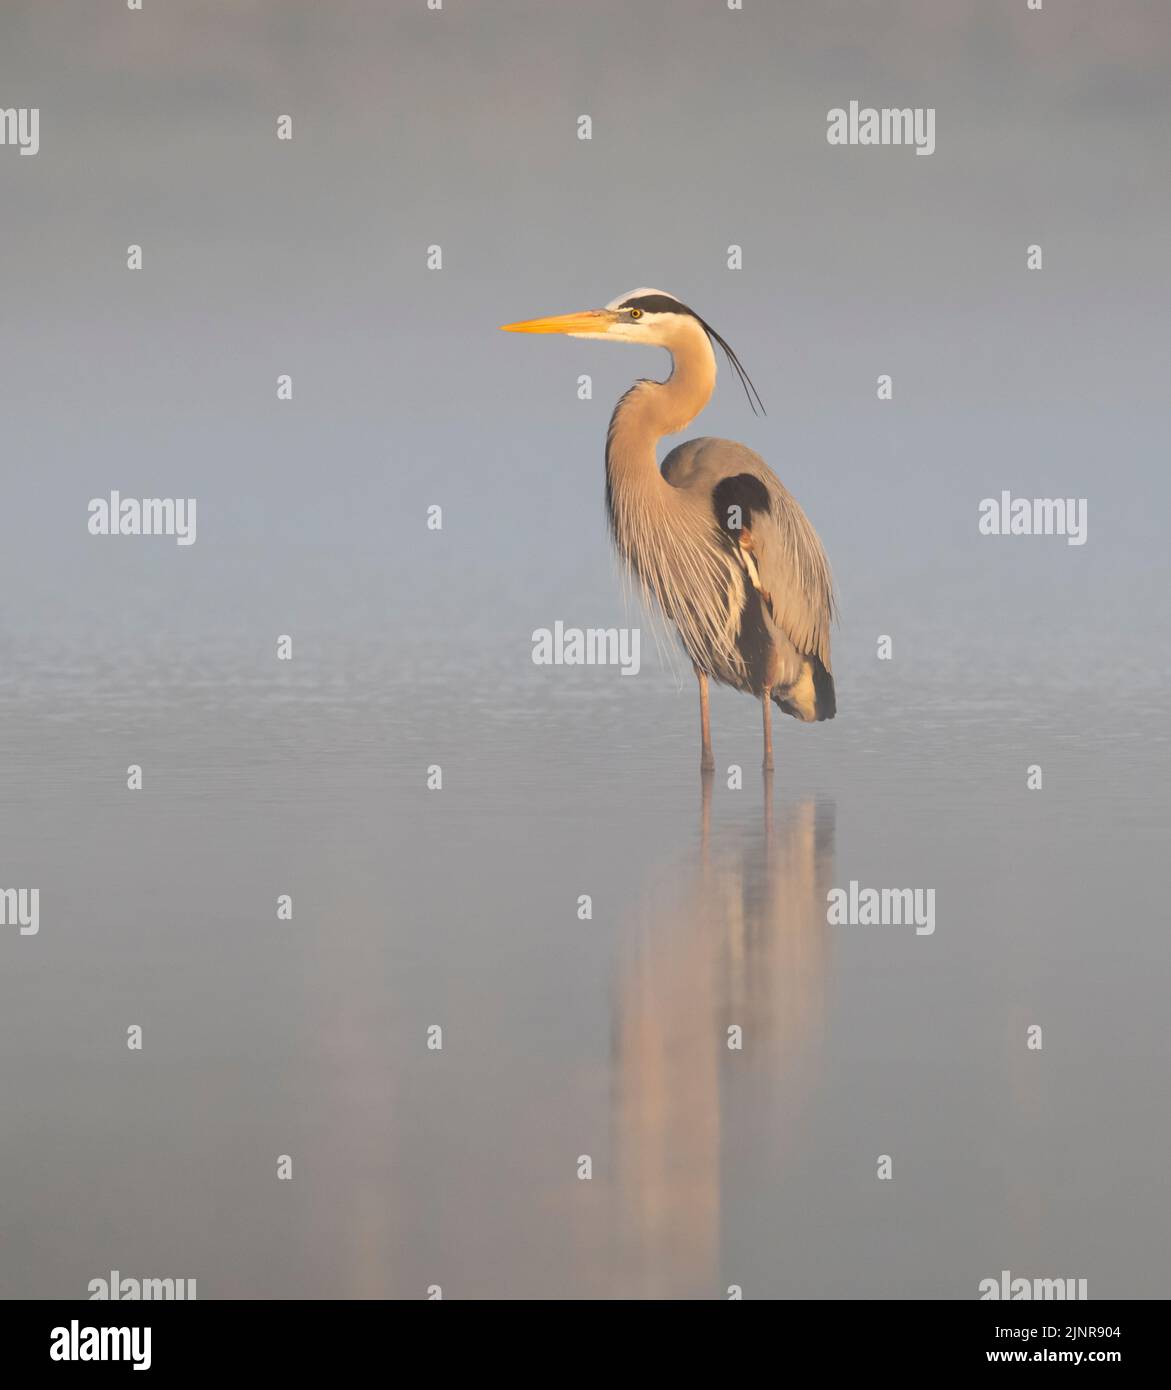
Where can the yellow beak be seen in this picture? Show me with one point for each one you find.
(588, 321)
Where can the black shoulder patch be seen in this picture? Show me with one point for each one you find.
(738, 499)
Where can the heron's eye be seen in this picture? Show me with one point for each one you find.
(636, 313)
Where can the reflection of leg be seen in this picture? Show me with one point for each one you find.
(705, 814)
(706, 761)
(766, 705)
(768, 810)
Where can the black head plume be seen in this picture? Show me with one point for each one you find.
(655, 302)
(745, 380)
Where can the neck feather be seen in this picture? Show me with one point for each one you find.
(666, 537)
(652, 409)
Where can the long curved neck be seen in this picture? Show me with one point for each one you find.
(669, 543)
(652, 409)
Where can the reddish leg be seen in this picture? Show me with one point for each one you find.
(706, 761)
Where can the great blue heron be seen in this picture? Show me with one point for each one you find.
(713, 537)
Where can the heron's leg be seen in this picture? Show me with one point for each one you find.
(766, 704)
(706, 761)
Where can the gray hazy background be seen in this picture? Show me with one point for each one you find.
(413, 647)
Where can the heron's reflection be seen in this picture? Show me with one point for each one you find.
(733, 937)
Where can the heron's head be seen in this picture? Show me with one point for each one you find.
(641, 316)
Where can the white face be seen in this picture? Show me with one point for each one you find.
(639, 324)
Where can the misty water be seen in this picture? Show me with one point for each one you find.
(565, 1037)
(458, 908)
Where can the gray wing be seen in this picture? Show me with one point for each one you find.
(772, 537)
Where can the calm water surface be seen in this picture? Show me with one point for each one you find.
(564, 1037)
